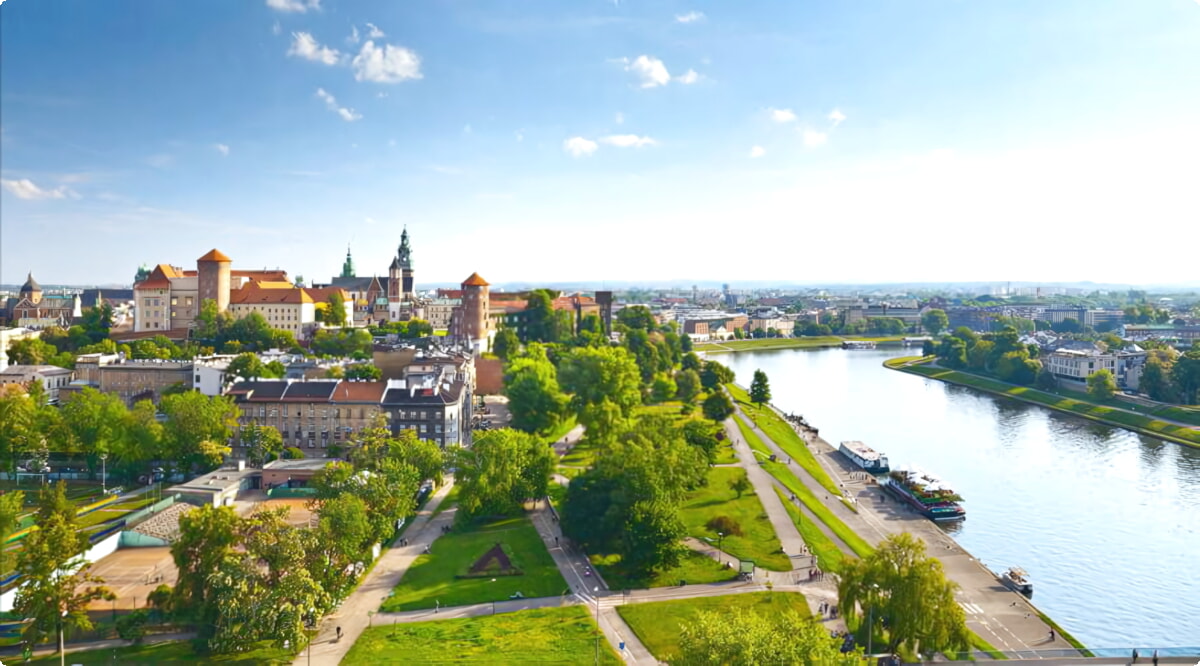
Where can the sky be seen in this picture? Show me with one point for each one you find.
(591, 140)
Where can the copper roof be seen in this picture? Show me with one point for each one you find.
(475, 281)
(215, 255)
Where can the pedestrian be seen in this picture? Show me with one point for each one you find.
(1135, 655)
(555, 541)
(1052, 638)
(339, 633)
(1156, 658)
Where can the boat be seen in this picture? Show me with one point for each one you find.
(865, 457)
(930, 496)
(858, 344)
(1015, 579)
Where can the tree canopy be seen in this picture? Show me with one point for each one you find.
(500, 472)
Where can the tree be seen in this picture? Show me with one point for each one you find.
(1156, 378)
(503, 470)
(506, 343)
(663, 389)
(747, 638)
(364, 372)
(96, 422)
(605, 387)
(344, 538)
(705, 436)
(335, 310)
(207, 537)
(541, 324)
(1046, 380)
(760, 390)
(536, 402)
(197, 428)
(1068, 325)
(952, 352)
(132, 626)
(687, 384)
(935, 321)
(714, 374)
(263, 443)
(1185, 376)
(246, 366)
(717, 406)
(637, 317)
(902, 589)
(740, 485)
(12, 507)
(1101, 385)
(651, 536)
(57, 586)
(17, 433)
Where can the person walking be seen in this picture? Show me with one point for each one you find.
(1156, 658)
(339, 634)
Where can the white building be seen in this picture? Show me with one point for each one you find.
(1078, 365)
(52, 378)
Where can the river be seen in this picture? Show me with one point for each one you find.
(1105, 521)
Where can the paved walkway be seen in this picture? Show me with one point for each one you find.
(357, 612)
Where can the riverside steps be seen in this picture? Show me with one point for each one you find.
(1003, 618)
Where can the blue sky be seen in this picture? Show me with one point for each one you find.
(538, 140)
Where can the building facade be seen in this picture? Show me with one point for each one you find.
(51, 377)
(33, 308)
(135, 380)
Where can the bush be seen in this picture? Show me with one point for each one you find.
(292, 453)
(132, 627)
(724, 525)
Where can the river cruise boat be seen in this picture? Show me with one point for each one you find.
(865, 457)
(858, 344)
(1015, 579)
(930, 496)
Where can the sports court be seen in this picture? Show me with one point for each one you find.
(299, 514)
(132, 573)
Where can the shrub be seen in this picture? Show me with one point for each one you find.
(725, 525)
(132, 627)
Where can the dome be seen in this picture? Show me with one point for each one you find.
(31, 286)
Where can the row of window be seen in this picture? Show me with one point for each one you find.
(403, 415)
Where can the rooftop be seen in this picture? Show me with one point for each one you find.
(215, 255)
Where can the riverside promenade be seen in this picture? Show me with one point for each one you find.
(1003, 618)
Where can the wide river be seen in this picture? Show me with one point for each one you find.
(1105, 521)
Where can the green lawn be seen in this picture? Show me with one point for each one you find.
(166, 653)
(434, 578)
(1097, 412)
(763, 344)
(752, 439)
(546, 635)
(561, 430)
(759, 541)
(583, 454)
(810, 501)
(659, 624)
(693, 568)
(784, 436)
(725, 454)
(829, 556)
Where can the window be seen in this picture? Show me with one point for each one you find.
(422, 429)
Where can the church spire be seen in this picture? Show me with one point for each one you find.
(405, 253)
(348, 267)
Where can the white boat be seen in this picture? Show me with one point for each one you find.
(865, 457)
(1015, 579)
(858, 344)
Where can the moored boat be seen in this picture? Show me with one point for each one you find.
(1015, 579)
(930, 496)
(865, 457)
(858, 344)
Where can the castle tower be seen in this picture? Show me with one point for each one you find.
(474, 321)
(212, 278)
(404, 257)
(31, 290)
(348, 267)
(393, 289)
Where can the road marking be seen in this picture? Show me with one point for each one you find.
(972, 609)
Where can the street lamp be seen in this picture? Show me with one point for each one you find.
(103, 474)
(720, 540)
(596, 597)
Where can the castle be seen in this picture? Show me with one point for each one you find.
(376, 300)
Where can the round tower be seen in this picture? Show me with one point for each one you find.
(475, 312)
(213, 278)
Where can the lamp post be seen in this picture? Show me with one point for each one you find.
(720, 540)
(596, 596)
(103, 474)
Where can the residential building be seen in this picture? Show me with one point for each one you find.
(1080, 363)
(314, 416)
(438, 411)
(209, 373)
(1185, 334)
(440, 311)
(51, 377)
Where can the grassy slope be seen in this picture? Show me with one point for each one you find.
(782, 433)
(166, 653)
(829, 556)
(432, 578)
(658, 625)
(693, 567)
(758, 543)
(787, 343)
(546, 635)
(810, 501)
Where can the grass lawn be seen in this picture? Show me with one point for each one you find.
(583, 454)
(451, 499)
(659, 624)
(433, 578)
(759, 541)
(1085, 408)
(810, 501)
(545, 635)
(752, 439)
(693, 568)
(562, 429)
(782, 433)
(167, 653)
(829, 556)
(725, 454)
(787, 343)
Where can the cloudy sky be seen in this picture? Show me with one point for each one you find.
(543, 140)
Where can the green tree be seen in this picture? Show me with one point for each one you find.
(935, 321)
(760, 389)
(1101, 385)
(198, 428)
(12, 507)
(263, 443)
(17, 432)
(740, 485)
(364, 372)
(541, 323)
(1156, 378)
(506, 344)
(952, 352)
(344, 540)
(651, 536)
(96, 422)
(536, 402)
(746, 638)
(1185, 376)
(714, 374)
(637, 317)
(605, 387)
(900, 588)
(503, 470)
(717, 406)
(207, 537)
(274, 370)
(663, 388)
(58, 586)
(335, 310)
(705, 436)
(1046, 380)
(687, 383)
(691, 362)
(246, 366)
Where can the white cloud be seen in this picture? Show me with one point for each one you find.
(651, 71)
(26, 189)
(690, 17)
(348, 115)
(304, 46)
(353, 38)
(386, 64)
(520, 134)
(222, 148)
(757, 151)
(300, 6)
(578, 146)
(628, 141)
(381, 94)
(689, 77)
(782, 115)
(276, 28)
(813, 138)
(374, 32)
(836, 117)
(619, 118)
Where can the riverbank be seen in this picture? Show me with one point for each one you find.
(814, 342)
(1172, 431)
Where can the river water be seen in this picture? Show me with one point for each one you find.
(1105, 521)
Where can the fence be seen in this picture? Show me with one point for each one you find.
(145, 512)
(291, 493)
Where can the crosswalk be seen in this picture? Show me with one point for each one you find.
(971, 609)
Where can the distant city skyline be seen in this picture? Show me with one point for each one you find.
(544, 142)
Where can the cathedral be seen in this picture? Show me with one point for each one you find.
(381, 299)
(34, 309)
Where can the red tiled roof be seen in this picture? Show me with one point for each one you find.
(215, 255)
(359, 391)
(322, 294)
(253, 293)
(475, 281)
